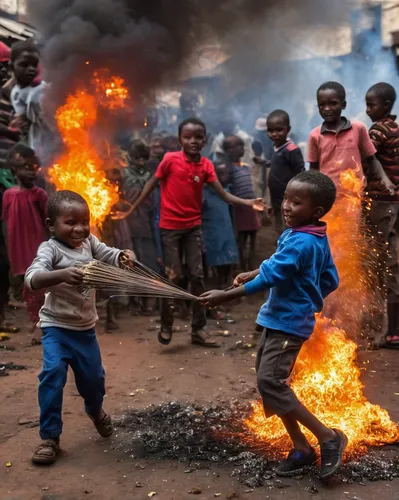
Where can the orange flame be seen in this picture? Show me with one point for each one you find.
(326, 376)
(81, 168)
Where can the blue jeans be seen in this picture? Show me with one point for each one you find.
(80, 351)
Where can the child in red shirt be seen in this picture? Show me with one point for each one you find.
(182, 176)
(24, 215)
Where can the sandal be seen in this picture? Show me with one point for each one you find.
(201, 337)
(391, 342)
(164, 337)
(104, 426)
(47, 451)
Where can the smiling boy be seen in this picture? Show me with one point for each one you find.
(300, 275)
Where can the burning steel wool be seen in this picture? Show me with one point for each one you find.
(81, 167)
(326, 376)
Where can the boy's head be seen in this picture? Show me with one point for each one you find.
(308, 197)
(331, 100)
(380, 99)
(233, 147)
(24, 62)
(171, 144)
(157, 149)
(139, 154)
(192, 137)
(278, 127)
(68, 217)
(24, 164)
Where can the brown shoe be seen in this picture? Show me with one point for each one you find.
(104, 426)
(201, 337)
(47, 451)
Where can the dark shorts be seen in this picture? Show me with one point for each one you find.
(274, 363)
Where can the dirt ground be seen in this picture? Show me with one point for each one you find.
(141, 372)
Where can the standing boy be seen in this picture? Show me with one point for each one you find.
(182, 176)
(285, 163)
(384, 212)
(339, 144)
(300, 275)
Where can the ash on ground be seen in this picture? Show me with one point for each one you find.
(206, 436)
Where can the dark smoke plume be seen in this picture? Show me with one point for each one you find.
(148, 41)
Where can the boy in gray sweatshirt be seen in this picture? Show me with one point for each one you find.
(68, 318)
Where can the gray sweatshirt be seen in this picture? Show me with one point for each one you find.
(64, 305)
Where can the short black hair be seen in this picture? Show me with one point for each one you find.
(191, 121)
(384, 91)
(139, 149)
(322, 188)
(56, 199)
(336, 87)
(226, 144)
(23, 46)
(20, 149)
(279, 113)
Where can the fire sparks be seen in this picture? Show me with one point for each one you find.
(326, 377)
(81, 167)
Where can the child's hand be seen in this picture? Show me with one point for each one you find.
(127, 258)
(72, 276)
(212, 298)
(242, 278)
(258, 204)
(388, 187)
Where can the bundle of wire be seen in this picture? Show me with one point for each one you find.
(138, 280)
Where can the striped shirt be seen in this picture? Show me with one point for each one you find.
(385, 136)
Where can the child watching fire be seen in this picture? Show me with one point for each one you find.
(68, 318)
(300, 275)
(384, 213)
(182, 176)
(339, 144)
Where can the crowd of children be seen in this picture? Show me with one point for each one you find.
(189, 213)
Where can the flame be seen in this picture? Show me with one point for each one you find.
(326, 376)
(81, 167)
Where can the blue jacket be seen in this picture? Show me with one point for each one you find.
(300, 275)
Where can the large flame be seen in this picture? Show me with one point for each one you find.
(326, 376)
(81, 167)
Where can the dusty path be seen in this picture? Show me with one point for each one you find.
(140, 372)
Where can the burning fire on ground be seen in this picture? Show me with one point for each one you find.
(326, 377)
(81, 167)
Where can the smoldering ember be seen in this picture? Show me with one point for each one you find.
(198, 249)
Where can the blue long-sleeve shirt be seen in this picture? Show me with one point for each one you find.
(300, 275)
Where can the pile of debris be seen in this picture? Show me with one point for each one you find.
(202, 436)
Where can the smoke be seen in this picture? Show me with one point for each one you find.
(149, 42)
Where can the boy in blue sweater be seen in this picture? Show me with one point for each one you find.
(300, 275)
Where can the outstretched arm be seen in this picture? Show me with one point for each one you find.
(257, 204)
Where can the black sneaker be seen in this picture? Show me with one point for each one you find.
(331, 454)
(295, 462)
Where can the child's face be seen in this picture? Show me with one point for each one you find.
(236, 150)
(298, 207)
(376, 107)
(278, 130)
(138, 161)
(25, 170)
(192, 139)
(25, 67)
(330, 106)
(4, 72)
(156, 149)
(72, 224)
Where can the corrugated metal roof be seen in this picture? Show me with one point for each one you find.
(14, 29)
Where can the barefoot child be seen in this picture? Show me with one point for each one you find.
(68, 318)
(299, 275)
(182, 176)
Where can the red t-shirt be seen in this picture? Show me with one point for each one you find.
(182, 182)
